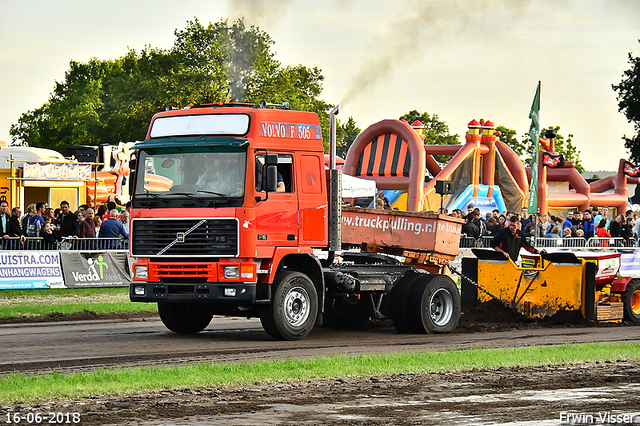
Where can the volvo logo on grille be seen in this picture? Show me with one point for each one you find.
(180, 237)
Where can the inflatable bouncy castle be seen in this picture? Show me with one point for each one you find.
(484, 172)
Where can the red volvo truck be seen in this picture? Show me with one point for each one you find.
(234, 213)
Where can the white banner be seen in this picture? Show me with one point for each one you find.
(30, 269)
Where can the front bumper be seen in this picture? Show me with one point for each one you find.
(223, 293)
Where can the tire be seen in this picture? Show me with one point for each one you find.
(185, 318)
(293, 309)
(398, 301)
(631, 301)
(433, 305)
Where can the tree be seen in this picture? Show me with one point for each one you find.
(435, 132)
(107, 101)
(345, 135)
(508, 136)
(629, 104)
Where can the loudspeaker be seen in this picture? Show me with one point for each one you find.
(444, 187)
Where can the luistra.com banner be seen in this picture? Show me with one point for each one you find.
(30, 269)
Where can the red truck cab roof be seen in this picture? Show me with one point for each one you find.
(265, 128)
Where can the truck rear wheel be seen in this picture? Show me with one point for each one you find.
(184, 318)
(398, 301)
(631, 301)
(433, 305)
(293, 308)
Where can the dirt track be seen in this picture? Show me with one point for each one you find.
(507, 396)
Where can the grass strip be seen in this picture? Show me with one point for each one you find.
(37, 302)
(18, 388)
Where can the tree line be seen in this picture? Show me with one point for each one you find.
(108, 101)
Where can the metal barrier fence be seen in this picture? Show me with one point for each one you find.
(91, 244)
(579, 242)
(74, 244)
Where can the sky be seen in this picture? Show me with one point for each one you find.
(459, 59)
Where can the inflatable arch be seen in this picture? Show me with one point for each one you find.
(485, 172)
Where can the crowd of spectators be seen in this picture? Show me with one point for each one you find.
(585, 224)
(53, 226)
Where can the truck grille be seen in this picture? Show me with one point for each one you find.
(184, 237)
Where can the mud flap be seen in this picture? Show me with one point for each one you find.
(468, 291)
(589, 296)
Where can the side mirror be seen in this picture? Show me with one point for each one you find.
(271, 159)
(272, 177)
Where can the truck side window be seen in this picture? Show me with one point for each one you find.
(285, 163)
(285, 172)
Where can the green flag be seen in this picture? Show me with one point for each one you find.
(534, 132)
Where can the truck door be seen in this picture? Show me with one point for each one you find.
(312, 201)
(277, 217)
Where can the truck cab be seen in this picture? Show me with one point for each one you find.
(210, 229)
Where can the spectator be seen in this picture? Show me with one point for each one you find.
(568, 222)
(40, 208)
(124, 218)
(530, 228)
(470, 229)
(385, 203)
(601, 232)
(48, 239)
(102, 210)
(554, 232)
(68, 221)
(577, 219)
(605, 215)
(627, 232)
(87, 227)
(566, 233)
(379, 204)
(479, 221)
(33, 222)
(502, 222)
(97, 222)
(492, 227)
(615, 227)
(112, 228)
(14, 228)
(470, 209)
(525, 219)
(588, 225)
(5, 217)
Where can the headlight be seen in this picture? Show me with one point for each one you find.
(140, 271)
(138, 290)
(231, 272)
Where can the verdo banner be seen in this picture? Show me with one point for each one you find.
(93, 270)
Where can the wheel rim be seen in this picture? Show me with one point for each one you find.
(635, 302)
(441, 307)
(296, 306)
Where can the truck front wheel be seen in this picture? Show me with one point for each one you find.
(631, 301)
(293, 309)
(184, 318)
(433, 305)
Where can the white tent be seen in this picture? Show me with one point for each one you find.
(353, 187)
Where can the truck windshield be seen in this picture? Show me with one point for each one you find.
(190, 179)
